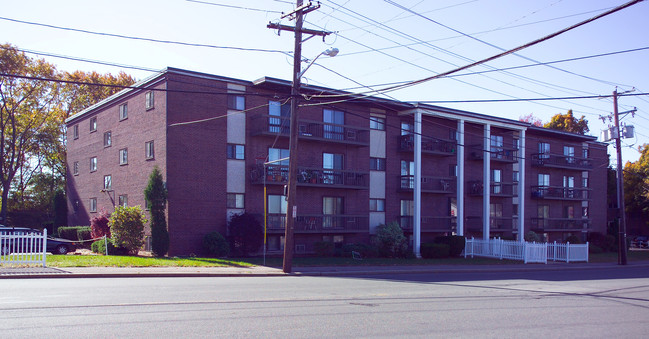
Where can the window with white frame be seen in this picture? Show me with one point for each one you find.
(75, 131)
(497, 142)
(377, 205)
(149, 100)
(235, 200)
(544, 150)
(108, 139)
(275, 154)
(75, 168)
(406, 128)
(277, 204)
(123, 156)
(93, 164)
(236, 151)
(544, 179)
(496, 179)
(92, 207)
(236, 102)
(333, 124)
(377, 123)
(123, 200)
(123, 111)
(108, 182)
(149, 151)
(569, 153)
(377, 164)
(93, 124)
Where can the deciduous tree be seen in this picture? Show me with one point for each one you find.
(568, 123)
(531, 119)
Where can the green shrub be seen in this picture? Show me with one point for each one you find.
(215, 245)
(435, 250)
(156, 198)
(390, 240)
(456, 244)
(72, 232)
(246, 234)
(573, 239)
(531, 236)
(127, 227)
(365, 250)
(99, 247)
(594, 249)
(324, 248)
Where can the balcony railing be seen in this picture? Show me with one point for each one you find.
(496, 189)
(430, 224)
(320, 223)
(430, 184)
(495, 223)
(318, 177)
(560, 193)
(497, 153)
(551, 224)
(560, 161)
(428, 145)
(310, 129)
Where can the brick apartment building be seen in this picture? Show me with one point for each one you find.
(359, 162)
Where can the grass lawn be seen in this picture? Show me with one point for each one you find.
(138, 261)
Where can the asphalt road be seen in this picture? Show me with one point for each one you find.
(538, 304)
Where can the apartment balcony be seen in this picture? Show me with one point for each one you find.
(560, 193)
(561, 161)
(271, 125)
(500, 154)
(440, 185)
(560, 224)
(319, 223)
(430, 223)
(496, 189)
(428, 145)
(313, 177)
(496, 223)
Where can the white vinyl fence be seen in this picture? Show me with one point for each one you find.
(528, 252)
(23, 247)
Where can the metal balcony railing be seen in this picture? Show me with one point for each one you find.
(430, 223)
(320, 223)
(560, 193)
(318, 177)
(550, 224)
(497, 153)
(561, 161)
(428, 145)
(430, 184)
(310, 129)
(497, 189)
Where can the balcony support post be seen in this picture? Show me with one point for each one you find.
(460, 178)
(486, 186)
(521, 187)
(416, 229)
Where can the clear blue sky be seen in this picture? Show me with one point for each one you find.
(380, 42)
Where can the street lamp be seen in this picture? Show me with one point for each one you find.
(291, 208)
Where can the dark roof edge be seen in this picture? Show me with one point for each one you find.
(568, 134)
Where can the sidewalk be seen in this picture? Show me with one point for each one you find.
(262, 271)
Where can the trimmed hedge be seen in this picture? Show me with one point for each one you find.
(435, 250)
(99, 247)
(215, 245)
(74, 233)
(324, 248)
(365, 250)
(455, 242)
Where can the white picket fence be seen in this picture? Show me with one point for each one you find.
(23, 248)
(528, 252)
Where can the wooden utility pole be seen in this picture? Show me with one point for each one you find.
(291, 211)
(620, 187)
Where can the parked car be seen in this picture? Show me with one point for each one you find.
(640, 242)
(53, 245)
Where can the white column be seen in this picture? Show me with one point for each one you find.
(416, 229)
(486, 182)
(521, 187)
(460, 178)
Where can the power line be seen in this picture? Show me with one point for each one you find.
(526, 99)
(146, 39)
(235, 7)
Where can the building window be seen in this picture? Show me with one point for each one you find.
(275, 243)
(452, 170)
(93, 124)
(406, 128)
(123, 156)
(496, 179)
(514, 210)
(516, 176)
(108, 139)
(331, 208)
(453, 134)
(584, 153)
(149, 100)
(569, 153)
(93, 205)
(279, 114)
(543, 213)
(569, 212)
(377, 205)
(75, 168)
(236, 151)
(75, 131)
(377, 164)
(123, 200)
(377, 123)
(108, 182)
(277, 204)
(497, 143)
(544, 179)
(333, 124)
(123, 111)
(584, 212)
(544, 150)
(275, 154)
(584, 182)
(149, 152)
(235, 200)
(333, 162)
(516, 143)
(236, 102)
(407, 208)
(93, 164)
